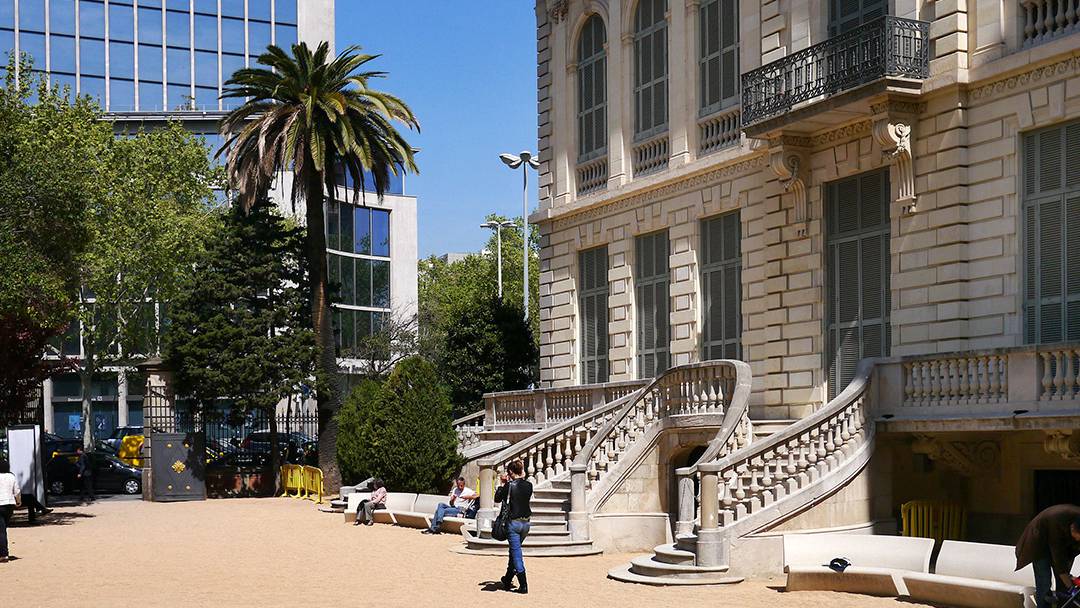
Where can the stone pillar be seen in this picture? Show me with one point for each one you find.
(47, 404)
(989, 31)
(687, 502)
(711, 550)
(489, 413)
(617, 87)
(678, 85)
(624, 96)
(486, 514)
(121, 398)
(540, 408)
(579, 515)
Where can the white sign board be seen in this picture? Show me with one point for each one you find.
(24, 454)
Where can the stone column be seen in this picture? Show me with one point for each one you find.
(679, 82)
(617, 53)
(711, 550)
(579, 515)
(121, 398)
(687, 502)
(540, 408)
(486, 514)
(47, 404)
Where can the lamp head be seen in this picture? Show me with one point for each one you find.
(510, 160)
(528, 159)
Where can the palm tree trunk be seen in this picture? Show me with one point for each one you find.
(329, 393)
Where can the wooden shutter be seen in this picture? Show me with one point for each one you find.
(718, 54)
(858, 274)
(592, 90)
(846, 15)
(721, 270)
(650, 67)
(593, 307)
(652, 280)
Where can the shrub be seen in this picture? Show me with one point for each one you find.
(401, 431)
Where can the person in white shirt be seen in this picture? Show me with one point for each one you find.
(461, 504)
(9, 499)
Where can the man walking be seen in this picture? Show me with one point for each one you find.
(1050, 543)
(84, 469)
(461, 503)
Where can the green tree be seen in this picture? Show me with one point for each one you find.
(401, 431)
(313, 115)
(149, 219)
(240, 327)
(51, 157)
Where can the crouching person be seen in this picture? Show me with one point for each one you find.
(1050, 543)
(462, 501)
(365, 514)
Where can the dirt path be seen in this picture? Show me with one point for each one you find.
(282, 552)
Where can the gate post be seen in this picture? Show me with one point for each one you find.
(159, 412)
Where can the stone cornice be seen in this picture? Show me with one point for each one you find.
(677, 186)
(1064, 67)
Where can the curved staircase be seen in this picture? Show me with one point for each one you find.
(575, 466)
(757, 487)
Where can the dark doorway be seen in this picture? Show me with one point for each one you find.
(1056, 488)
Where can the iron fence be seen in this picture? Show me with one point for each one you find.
(885, 47)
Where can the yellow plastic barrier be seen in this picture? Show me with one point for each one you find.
(292, 479)
(130, 446)
(313, 483)
(933, 519)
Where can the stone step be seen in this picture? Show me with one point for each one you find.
(647, 565)
(548, 515)
(625, 574)
(549, 493)
(670, 554)
(541, 547)
(562, 504)
(764, 428)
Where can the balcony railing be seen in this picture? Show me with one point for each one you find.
(651, 155)
(718, 131)
(1046, 20)
(532, 409)
(592, 176)
(886, 47)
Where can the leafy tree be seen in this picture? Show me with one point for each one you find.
(401, 431)
(240, 327)
(149, 219)
(51, 158)
(312, 115)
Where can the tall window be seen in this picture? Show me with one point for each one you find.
(651, 279)
(1052, 234)
(719, 51)
(721, 272)
(358, 240)
(592, 90)
(845, 15)
(593, 306)
(650, 68)
(857, 243)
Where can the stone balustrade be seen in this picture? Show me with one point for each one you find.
(1059, 377)
(1046, 20)
(651, 155)
(468, 429)
(533, 409)
(592, 176)
(965, 379)
(720, 130)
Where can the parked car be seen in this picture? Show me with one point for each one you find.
(56, 444)
(259, 441)
(111, 475)
(240, 474)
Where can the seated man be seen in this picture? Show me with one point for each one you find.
(461, 503)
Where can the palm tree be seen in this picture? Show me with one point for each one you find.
(312, 116)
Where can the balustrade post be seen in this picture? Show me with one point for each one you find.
(687, 503)
(540, 404)
(711, 549)
(597, 398)
(489, 413)
(486, 513)
(1022, 372)
(578, 521)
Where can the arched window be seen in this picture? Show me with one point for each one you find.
(719, 54)
(650, 68)
(592, 90)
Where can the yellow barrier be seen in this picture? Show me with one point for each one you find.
(292, 478)
(933, 519)
(129, 449)
(313, 483)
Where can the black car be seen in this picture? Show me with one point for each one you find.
(240, 474)
(111, 475)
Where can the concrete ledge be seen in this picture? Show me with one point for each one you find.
(967, 592)
(884, 582)
(629, 532)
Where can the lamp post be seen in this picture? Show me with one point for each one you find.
(524, 160)
(498, 226)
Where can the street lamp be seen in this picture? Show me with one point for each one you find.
(498, 226)
(524, 160)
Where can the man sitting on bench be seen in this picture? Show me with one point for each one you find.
(462, 501)
(1050, 543)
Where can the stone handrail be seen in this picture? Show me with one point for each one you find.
(736, 433)
(468, 429)
(531, 409)
(765, 481)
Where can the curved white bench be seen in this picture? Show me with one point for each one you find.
(878, 563)
(978, 575)
(409, 510)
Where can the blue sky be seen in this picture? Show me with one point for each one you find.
(468, 70)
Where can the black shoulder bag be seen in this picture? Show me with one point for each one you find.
(500, 528)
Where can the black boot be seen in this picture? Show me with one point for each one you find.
(508, 579)
(523, 583)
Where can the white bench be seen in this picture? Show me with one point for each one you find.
(408, 510)
(978, 575)
(878, 563)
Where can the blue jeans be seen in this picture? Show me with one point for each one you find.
(442, 512)
(1044, 576)
(518, 531)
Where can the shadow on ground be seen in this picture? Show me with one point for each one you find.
(56, 518)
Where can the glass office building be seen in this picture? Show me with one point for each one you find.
(146, 55)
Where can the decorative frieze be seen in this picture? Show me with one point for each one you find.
(1062, 68)
(1064, 444)
(558, 10)
(969, 458)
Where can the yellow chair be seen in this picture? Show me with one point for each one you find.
(933, 519)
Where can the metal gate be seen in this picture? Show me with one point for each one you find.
(178, 466)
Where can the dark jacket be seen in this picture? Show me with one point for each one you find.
(83, 466)
(520, 494)
(1048, 537)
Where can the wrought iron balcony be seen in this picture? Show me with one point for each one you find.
(888, 47)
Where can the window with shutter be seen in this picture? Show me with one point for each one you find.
(857, 222)
(593, 310)
(721, 268)
(592, 90)
(846, 15)
(718, 50)
(651, 278)
(1051, 215)
(650, 68)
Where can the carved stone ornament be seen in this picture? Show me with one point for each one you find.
(895, 140)
(1064, 444)
(969, 458)
(789, 163)
(558, 9)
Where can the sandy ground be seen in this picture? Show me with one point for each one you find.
(283, 552)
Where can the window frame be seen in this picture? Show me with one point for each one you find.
(599, 295)
(706, 109)
(647, 35)
(708, 269)
(594, 64)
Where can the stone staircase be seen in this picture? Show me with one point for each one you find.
(576, 465)
(754, 488)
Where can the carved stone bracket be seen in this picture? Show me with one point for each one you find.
(788, 159)
(969, 458)
(893, 134)
(1065, 444)
(558, 10)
